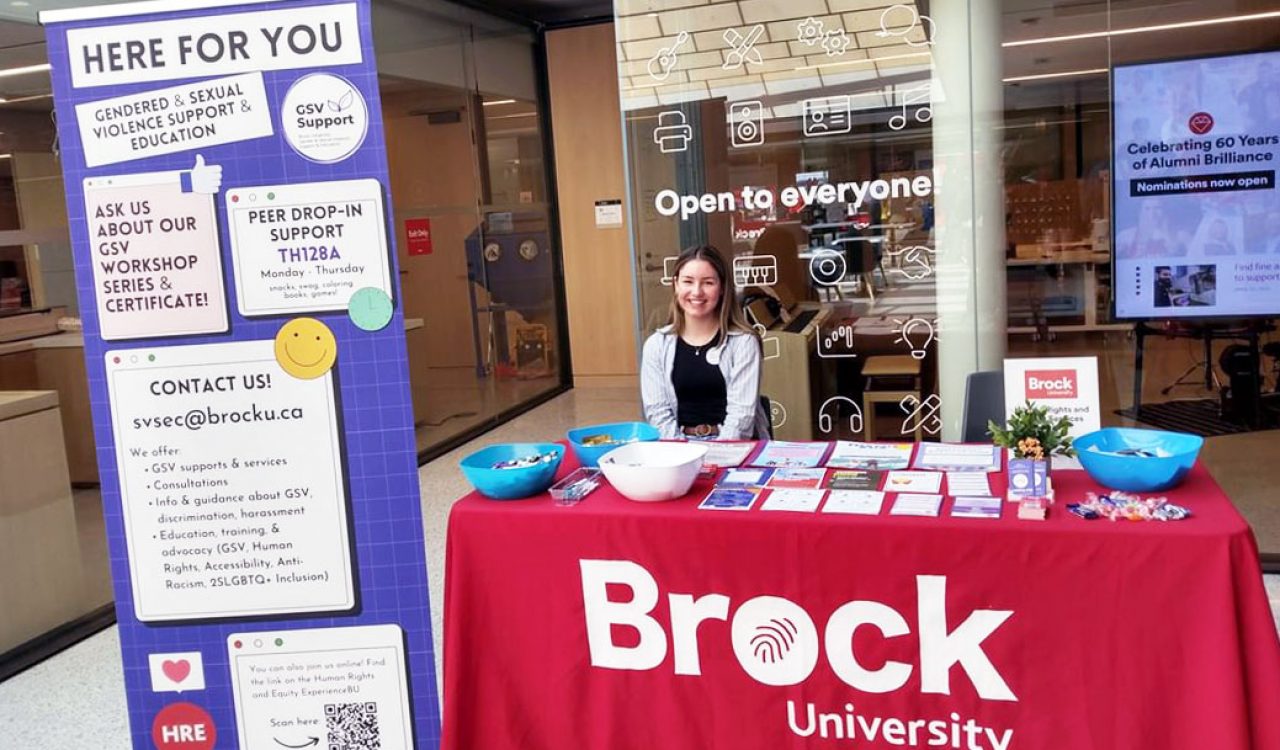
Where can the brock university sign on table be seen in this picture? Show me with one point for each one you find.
(777, 643)
(226, 185)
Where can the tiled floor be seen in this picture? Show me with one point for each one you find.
(76, 700)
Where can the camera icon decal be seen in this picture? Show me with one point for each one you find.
(746, 124)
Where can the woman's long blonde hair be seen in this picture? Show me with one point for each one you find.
(730, 314)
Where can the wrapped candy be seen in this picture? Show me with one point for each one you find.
(526, 461)
(1122, 506)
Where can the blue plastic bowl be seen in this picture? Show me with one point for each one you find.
(1177, 450)
(511, 484)
(621, 432)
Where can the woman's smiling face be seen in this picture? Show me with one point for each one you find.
(698, 289)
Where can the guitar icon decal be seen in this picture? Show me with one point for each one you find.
(665, 59)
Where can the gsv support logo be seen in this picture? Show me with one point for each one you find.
(776, 641)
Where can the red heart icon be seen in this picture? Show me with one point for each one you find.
(1200, 123)
(176, 671)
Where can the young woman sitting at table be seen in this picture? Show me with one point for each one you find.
(700, 374)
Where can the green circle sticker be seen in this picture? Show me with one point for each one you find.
(370, 309)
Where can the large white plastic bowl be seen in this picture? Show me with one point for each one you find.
(652, 472)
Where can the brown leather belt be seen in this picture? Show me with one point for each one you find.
(701, 430)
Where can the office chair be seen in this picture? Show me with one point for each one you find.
(983, 400)
(767, 409)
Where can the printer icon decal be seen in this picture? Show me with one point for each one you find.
(673, 132)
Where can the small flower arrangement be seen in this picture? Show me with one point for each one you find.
(1032, 433)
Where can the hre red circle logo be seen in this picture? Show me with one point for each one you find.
(183, 726)
(1200, 123)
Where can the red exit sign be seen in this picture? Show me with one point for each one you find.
(418, 232)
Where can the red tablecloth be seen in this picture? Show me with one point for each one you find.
(1121, 635)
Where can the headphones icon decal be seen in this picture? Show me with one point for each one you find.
(825, 420)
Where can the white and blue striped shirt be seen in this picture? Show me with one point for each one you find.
(739, 359)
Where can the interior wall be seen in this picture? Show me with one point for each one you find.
(433, 176)
(586, 117)
(41, 204)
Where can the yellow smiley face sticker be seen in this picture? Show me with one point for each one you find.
(306, 348)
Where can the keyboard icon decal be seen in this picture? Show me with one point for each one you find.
(755, 270)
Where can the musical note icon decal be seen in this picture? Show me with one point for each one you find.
(665, 59)
(921, 95)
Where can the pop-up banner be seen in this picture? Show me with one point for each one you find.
(226, 185)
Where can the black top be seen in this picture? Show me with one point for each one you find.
(699, 386)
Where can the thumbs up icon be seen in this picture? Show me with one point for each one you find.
(205, 178)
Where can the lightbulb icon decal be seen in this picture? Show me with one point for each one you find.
(917, 334)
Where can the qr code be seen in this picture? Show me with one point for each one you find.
(352, 726)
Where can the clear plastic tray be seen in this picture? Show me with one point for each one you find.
(579, 484)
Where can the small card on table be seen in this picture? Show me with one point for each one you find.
(958, 457)
(848, 454)
(857, 502)
(804, 501)
(976, 507)
(728, 453)
(968, 483)
(730, 498)
(789, 455)
(914, 481)
(911, 504)
(745, 478)
(854, 479)
(800, 479)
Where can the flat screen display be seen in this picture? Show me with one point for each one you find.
(1195, 206)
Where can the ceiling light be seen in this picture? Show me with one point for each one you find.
(6, 156)
(23, 70)
(498, 101)
(1066, 74)
(25, 98)
(1144, 29)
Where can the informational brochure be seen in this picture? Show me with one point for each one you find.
(730, 498)
(913, 481)
(958, 457)
(848, 454)
(854, 479)
(857, 502)
(803, 501)
(912, 504)
(976, 507)
(728, 453)
(971, 483)
(745, 478)
(801, 479)
(788, 455)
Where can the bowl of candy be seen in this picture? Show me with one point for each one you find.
(590, 443)
(650, 472)
(508, 471)
(1133, 460)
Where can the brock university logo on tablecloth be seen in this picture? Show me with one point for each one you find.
(777, 643)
